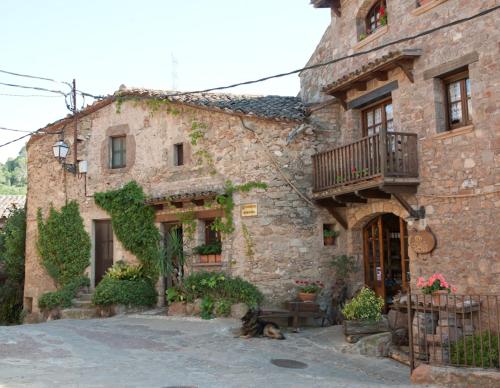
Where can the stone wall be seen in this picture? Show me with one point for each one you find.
(286, 236)
(459, 170)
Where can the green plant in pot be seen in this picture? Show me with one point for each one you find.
(308, 290)
(329, 236)
(209, 253)
(363, 313)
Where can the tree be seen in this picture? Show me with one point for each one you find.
(13, 175)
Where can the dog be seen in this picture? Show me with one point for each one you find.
(253, 326)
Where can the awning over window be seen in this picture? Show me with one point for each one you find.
(376, 69)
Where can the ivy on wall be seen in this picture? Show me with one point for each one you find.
(64, 246)
(133, 223)
(154, 104)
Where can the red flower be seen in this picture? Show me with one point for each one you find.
(353, 169)
(381, 11)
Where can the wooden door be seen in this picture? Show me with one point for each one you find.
(374, 256)
(103, 248)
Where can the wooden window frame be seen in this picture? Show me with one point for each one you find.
(372, 107)
(179, 159)
(207, 231)
(461, 76)
(123, 151)
(374, 10)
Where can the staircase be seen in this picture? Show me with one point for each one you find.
(82, 307)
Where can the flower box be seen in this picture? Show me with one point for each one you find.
(215, 258)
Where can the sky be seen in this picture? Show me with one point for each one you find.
(104, 44)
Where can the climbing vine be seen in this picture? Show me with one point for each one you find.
(226, 202)
(248, 242)
(133, 223)
(188, 221)
(154, 104)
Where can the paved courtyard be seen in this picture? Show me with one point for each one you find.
(159, 351)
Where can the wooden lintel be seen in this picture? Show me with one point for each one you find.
(177, 204)
(342, 97)
(373, 193)
(330, 202)
(360, 86)
(198, 202)
(380, 75)
(338, 217)
(350, 197)
(198, 214)
(406, 69)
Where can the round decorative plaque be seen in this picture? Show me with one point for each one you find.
(422, 241)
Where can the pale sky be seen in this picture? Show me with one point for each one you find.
(106, 43)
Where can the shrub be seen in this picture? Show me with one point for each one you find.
(478, 350)
(221, 286)
(209, 249)
(223, 308)
(366, 306)
(137, 292)
(63, 243)
(12, 247)
(123, 271)
(207, 307)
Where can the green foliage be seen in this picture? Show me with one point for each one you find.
(207, 307)
(154, 104)
(248, 242)
(366, 306)
(176, 294)
(172, 251)
(214, 248)
(123, 271)
(13, 175)
(479, 350)
(309, 287)
(188, 221)
(137, 292)
(63, 243)
(64, 296)
(12, 248)
(226, 201)
(221, 286)
(344, 266)
(133, 224)
(223, 308)
(330, 233)
(197, 132)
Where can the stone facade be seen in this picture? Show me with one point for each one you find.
(459, 170)
(287, 235)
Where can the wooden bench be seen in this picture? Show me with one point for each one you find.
(295, 310)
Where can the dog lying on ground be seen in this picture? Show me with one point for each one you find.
(253, 326)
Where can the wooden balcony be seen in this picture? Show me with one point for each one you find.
(373, 167)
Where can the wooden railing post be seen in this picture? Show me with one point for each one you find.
(383, 150)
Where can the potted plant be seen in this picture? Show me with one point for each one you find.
(363, 313)
(438, 287)
(329, 236)
(209, 253)
(308, 290)
(383, 16)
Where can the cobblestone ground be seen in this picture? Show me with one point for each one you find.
(156, 351)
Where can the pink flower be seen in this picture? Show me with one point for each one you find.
(420, 282)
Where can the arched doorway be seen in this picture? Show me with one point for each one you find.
(387, 267)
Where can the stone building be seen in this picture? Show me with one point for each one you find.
(141, 135)
(396, 149)
(416, 146)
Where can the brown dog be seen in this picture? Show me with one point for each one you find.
(253, 326)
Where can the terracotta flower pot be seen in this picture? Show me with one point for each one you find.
(307, 297)
(440, 298)
(330, 240)
(203, 258)
(218, 258)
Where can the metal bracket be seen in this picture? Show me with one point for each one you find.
(69, 167)
(417, 214)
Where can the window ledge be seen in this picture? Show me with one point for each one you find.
(427, 7)
(455, 132)
(370, 38)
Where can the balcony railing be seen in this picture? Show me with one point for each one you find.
(391, 154)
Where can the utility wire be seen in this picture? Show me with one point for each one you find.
(14, 130)
(34, 77)
(19, 138)
(27, 95)
(315, 66)
(34, 88)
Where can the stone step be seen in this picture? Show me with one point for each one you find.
(86, 297)
(81, 303)
(79, 313)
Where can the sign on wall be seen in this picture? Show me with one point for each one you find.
(249, 210)
(422, 241)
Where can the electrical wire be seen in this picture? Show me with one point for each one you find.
(14, 130)
(34, 88)
(26, 95)
(34, 77)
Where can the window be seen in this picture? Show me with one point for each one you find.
(376, 17)
(118, 155)
(211, 236)
(458, 100)
(178, 154)
(377, 117)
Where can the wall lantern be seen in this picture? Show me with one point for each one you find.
(60, 150)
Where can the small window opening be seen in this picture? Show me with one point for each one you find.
(329, 234)
(178, 154)
(118, 152)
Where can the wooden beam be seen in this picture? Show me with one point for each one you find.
(399, 189)
(338, 217)
(336, 8)
(417, 214)
(380, 75)
(350, 197)
(373, 193)
(407, 70)
(360, 86)
(342, 97)
(329, 202)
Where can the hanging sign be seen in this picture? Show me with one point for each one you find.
(249, 210)
(422, 241)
